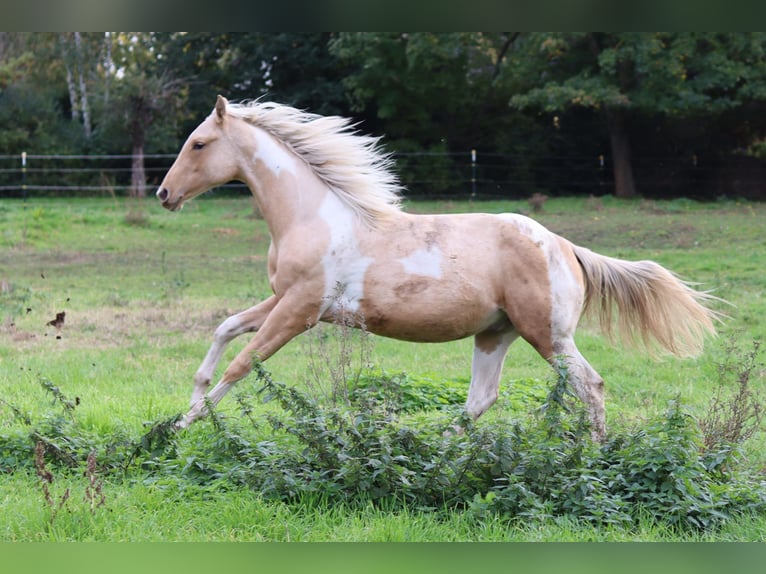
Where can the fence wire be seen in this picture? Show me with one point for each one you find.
(424, 175)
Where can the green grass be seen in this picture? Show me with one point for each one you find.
(143, 295)
(138, 513)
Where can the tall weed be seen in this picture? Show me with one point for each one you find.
(736, 411)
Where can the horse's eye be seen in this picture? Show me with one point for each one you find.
(198, 145)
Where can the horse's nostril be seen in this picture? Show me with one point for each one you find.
(162, 194)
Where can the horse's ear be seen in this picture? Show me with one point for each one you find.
(220, 108)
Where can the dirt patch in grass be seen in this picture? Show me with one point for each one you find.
(225, 231)
(115, 326)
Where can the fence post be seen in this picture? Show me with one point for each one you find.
(24, 175)
(473, 174)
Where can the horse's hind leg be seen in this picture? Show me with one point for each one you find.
(489, 353)
(249, 320)
(585, 381)
(559, 297)
(556, 345)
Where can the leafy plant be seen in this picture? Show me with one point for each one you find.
(733, 416)
(533, 469)
(372, 450)
(406, 393)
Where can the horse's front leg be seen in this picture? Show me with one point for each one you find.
(287, 318)
(244, 322)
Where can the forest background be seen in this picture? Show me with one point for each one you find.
(628, 114)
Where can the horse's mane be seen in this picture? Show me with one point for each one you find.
(353, 165)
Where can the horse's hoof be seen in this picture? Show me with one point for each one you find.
(182, 424)
(455, 430)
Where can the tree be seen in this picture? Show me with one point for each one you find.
(413, 83)
(629, 76)
(74, 62)
(290, 67)
(148, 96)
(433, 92)
(29, 115)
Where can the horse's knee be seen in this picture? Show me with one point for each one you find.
(238, 369)
(201, 384)
(230, 328)
(201, 380)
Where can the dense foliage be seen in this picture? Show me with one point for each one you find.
(585, 113)
(388, 447)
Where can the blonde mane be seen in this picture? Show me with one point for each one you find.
(351, 164)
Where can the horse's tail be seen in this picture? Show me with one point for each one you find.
(653, 306)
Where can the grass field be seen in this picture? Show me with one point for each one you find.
(143, 289)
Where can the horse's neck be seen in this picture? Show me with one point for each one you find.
(286, 189)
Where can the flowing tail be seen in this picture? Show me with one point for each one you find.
(653, 306)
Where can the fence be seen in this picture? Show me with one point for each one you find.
(425, 175)
(29, 174)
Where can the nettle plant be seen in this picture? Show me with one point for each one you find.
(392, 440)
(385, 443)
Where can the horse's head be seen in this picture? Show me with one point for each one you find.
(206, 160)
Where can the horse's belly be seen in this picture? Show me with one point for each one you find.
(423, 310)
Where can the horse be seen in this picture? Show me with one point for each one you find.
(343, 247)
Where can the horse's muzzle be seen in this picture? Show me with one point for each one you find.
(163, 195)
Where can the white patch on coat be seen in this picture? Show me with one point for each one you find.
(344, 265)
(424, 262)
(275, 157)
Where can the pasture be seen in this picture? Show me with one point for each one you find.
(143, 289)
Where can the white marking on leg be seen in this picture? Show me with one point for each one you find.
(201, 407)
(226, 331)
(567, 295)
(248, 320)
(486, 369)
(426, 262)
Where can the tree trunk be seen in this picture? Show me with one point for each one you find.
(137, 172)
(624, 184)
(108, 63)
(83, 88)
(141, 117)
(73, 100)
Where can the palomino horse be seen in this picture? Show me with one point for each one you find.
(340, 243)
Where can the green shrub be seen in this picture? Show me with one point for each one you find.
(531, 469)
(406, 393)
(538, 466)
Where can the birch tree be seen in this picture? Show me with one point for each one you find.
(76, 62)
